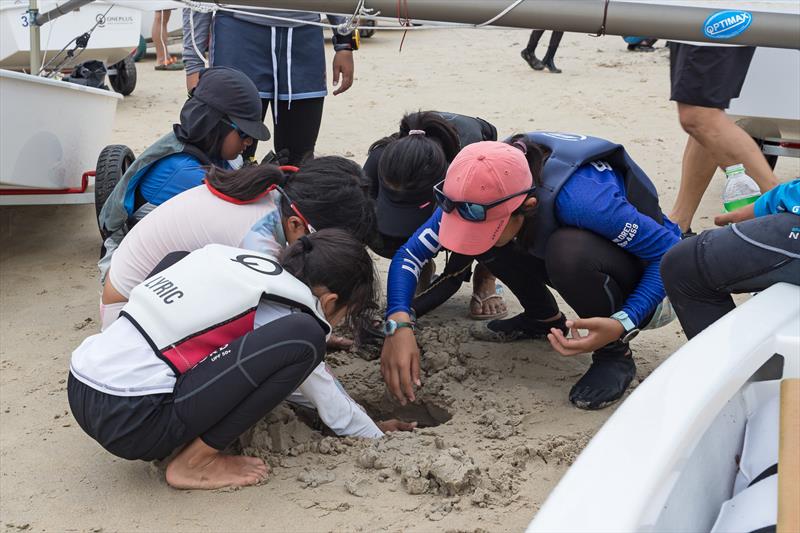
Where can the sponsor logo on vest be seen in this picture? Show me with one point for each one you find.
(727, 24)
(565, 136)
(164, 289)
(795, 233)
(260, 264)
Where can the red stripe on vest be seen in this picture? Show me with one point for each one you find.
(191, 351)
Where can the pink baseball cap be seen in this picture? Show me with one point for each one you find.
(483, 172)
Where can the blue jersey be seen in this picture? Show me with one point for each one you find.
(592, 199)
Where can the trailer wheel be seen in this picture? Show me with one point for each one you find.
(367, 29)
(772, 160)
(124, 81)
(112, 163)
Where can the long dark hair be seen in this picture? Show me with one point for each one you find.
(328, 191)
(536, 155)
(334, 259)
(414, 162)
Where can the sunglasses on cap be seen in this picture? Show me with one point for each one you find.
(242, 135)
(471, 211)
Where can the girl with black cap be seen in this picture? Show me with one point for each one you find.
(403, 168)
(211, 342)
(219, 120)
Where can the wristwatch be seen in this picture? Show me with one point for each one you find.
(631, 331)
(351, 41)
(390, 327)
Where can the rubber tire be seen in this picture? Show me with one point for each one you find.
(772, 160)
(367, 33)
(141, 50)
(124, 81)
(112, 163)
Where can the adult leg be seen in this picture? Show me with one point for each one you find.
(701, 273)
(158, 37)
(526, 277)
(548, 61)
(231, 389)
(697, 169)
(298, 128)
(595, 277)
(529, 52)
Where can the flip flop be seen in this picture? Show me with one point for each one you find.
(498, 293)
(169, 66)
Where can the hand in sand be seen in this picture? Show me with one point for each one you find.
(343, 66)
(601, 332)
(400, 362)
(388, 426)
(738, 215)
(199, 466)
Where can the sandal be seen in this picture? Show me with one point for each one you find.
(169, 66)
(498, 293)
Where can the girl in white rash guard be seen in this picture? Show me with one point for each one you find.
(211, 342)
(253, 207)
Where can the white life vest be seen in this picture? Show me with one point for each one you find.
(208, 299)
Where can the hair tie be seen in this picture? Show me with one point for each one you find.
(417, 132)
(521, 145)
(306, 243)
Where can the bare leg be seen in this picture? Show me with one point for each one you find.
(158, 38)
(726, 144)
(199, 466)
(484, 285)
(696, 173)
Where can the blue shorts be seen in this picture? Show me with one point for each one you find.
(248, 47)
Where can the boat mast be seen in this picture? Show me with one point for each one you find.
(36, 44)
(659, 19)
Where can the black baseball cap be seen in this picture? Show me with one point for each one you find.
(232, 93)
(402, 212)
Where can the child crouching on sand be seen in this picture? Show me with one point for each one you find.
(212, 341)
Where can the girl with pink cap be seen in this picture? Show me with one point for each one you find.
(545, 209)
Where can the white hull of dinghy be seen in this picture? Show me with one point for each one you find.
(50, 132)
(113, 40)
(667, 458)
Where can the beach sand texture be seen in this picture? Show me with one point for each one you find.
(512, 434)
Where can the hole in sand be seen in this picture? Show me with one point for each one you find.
(426, 415)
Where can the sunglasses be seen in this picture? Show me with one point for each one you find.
(242, 135)
(471, 211)
(294, 208)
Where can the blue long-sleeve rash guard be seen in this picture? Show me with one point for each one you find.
(593, 199)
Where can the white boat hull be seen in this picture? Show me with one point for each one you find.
(666, 459)
(51, 132)
(114, 39)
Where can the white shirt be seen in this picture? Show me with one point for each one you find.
(189, 221)
(120, 362)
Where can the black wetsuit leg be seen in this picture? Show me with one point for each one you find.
(702, 272)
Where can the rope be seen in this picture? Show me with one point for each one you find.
(602, 30)
(201, 55)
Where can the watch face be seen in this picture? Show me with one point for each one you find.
(389, 327)
(628, 337)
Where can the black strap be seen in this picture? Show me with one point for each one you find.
(771, 471)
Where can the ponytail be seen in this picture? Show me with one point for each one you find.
(244, 185)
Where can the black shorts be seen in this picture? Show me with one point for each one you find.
(707, 76)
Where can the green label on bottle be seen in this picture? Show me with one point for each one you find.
(733, 205)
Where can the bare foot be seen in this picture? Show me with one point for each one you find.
(199, 466)
(486, 301)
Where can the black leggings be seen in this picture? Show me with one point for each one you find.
(592, 274)
(555, 40)
(297, 128)
(701, 273)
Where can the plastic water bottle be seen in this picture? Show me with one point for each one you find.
(740, 189)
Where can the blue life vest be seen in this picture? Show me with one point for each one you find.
(570, 151)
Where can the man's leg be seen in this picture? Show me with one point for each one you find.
(696, 172)
(701, 273)
(298, 128)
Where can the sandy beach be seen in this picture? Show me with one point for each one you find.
(511, 432)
